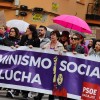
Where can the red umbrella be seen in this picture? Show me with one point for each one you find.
(72, 22)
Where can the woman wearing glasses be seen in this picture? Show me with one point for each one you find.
(12, 39)
(75, 47)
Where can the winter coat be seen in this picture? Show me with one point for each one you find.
(25, 41)
(9, 41)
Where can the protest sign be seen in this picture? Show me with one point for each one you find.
(45, 71)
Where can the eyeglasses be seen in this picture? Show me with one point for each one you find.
(74, 38)
(12, 31)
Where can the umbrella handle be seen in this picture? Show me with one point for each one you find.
(71, 28)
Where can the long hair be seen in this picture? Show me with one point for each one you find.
(34, 31)
(66, 33)
(16, 31)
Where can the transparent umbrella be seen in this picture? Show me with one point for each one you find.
(58, 27)
(20, 24)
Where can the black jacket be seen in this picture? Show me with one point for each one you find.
(9, 41)
(25, 41)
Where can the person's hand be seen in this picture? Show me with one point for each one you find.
(43, 47)
(30, 46)
(85, 54)
(55, 49)
(60, 53)
(12, 47)
(74, 52)
(16, 46)
(64, 50)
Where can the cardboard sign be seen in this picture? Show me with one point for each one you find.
(2, 19)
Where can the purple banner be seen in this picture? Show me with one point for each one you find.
(47, 72)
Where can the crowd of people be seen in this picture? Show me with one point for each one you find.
(64, 41)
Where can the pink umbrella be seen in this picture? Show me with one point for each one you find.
(72, 22)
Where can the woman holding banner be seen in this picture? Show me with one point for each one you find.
(54, 44)
(75, 47)
(29, 39)
(11, 40)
